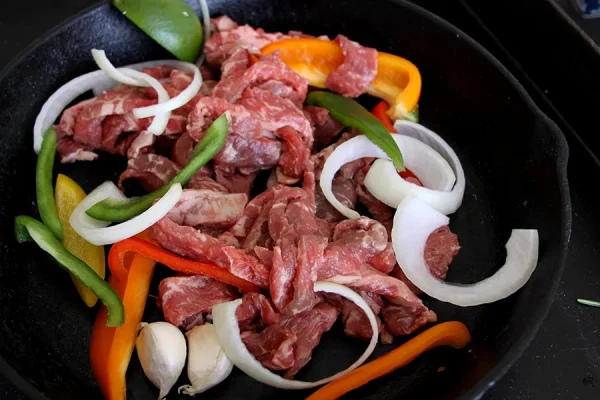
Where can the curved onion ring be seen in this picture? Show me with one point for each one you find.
(99, 233)
(96, 81)
(415, 221)
(228, 333)
(426, 163)
(383, 182)
(207, 32)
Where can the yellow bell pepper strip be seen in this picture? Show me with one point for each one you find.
(121, 249)
(68, 194)
(121, 210)
(398, 81)
(111, 348)
(453, 334)
(43, 184)
(27, 228)
(350, 113)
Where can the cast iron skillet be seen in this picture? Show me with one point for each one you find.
(514, 157)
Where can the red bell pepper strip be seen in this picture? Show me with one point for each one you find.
(120, 249)
(111, 348)
(380, 111)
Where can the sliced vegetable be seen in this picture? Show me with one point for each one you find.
(171, 23)
(98, 233)
(44, 190)
(27, 228)
(116, 261)
(414, 221)
(68, 194)
(97, 81)
(398, 81)
(136, 78)
(439, 192)
(453, 334)
(207, 364)
(228, 333)
(380, 112)
(111, 348)
(591, 303)
(207, 32)
(349, 113)
(118, 210)
(161, 349)
(429, 165)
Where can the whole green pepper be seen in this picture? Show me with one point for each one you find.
(44, 189)
(27, 228)
(121, 210)
(350, 113)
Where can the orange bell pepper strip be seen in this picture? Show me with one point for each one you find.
(111, 348)
(453, 334)
(120, 249)
(398, 81)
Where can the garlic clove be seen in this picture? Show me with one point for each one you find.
(207, 364)
(162, 349)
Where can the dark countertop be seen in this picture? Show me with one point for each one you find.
(563, 361)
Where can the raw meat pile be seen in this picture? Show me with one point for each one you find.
(285, 238)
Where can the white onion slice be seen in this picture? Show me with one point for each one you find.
(99, 233)
(207, 32)
(431, 168)
(96, 81)
(129, 76)
(384, 183)
(228, 333)
(180, 100)
(415, 221)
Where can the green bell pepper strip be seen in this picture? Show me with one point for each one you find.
(349, 113)
(44, 190)
(27, 228)
(114, 210)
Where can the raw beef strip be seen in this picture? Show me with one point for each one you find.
(273, 112)
(238, 62)
(208, 208)
(353, 77)
(356, 323)
(182, 298)
(152, 171)
(346, 259)
(235, 182)
(325, 127)
(114, 129)
(222, 44)
(70, 151)
(273, 347)
(255, 305)
(440, 248)
(294, 156)
(308, 326)
(120, 100)
(267, 68)
(245, 147)
(343, 190)
(384, 261)
(159, 72)
(189, 242)
(280, 89)
(204, 182)
(252, 211)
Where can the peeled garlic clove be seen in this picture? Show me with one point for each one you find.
(207, 364)
(161, 349)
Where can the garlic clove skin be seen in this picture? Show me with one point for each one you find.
(161, 348)
(207, 364)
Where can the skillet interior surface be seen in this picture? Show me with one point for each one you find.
(514, 159)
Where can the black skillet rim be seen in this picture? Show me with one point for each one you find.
(489, 380)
